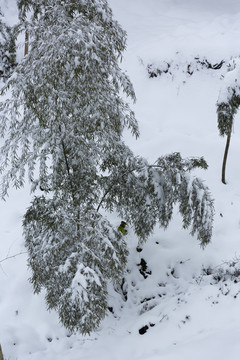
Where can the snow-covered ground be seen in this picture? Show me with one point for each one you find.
(188, 310)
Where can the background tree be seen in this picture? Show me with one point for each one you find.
(227, 106)
(7, 49)
(32, 9)
(63, 124)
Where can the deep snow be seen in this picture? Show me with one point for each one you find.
(193, 315)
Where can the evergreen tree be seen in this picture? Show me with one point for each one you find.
(227, 106)
(63, 124)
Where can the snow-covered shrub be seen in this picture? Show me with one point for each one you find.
(227, 271)
(181, 65)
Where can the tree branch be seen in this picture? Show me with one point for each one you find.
(13, 256)
(111, 186)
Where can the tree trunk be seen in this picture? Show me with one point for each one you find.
(1, 354)
(225, 158)
(26, 46)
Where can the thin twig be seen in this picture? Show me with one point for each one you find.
(116, 184)
(13, 256)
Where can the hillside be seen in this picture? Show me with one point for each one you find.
(178, 301)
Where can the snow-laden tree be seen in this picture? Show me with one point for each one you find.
(62, 128)
(227, 106)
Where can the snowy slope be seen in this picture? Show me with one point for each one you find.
(189, 312)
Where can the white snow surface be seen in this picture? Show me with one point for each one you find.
(194, 317)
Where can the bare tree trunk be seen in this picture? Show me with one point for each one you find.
(26, 46)
(225, 158)
(1, 354)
